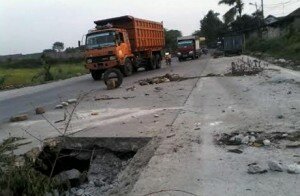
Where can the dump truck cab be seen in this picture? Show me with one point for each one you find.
(188, 47)
(106, 48)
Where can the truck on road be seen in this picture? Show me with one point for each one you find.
(188, 47)
(125, 43)
(233, 44)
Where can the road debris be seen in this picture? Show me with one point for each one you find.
(70, 101)
(275, 166)
(18, 118)
(64, 103)
(132, 88)
(235, 150)
(258, 139)
(293, 168)
(267, 142)
(59, 106)
(249, 67)
(293, 145)
(158, 89)
(111, 84)
(169, 136)
(106, 97)
(66, 176)
(256, 169)
(280, 116)
(162, 79)
(113, 78)
(40, 110)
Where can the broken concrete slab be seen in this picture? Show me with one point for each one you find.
(275, 166)
(40, 110)
(256, 169)
(71, 101)
(293, 168)
(17, 118)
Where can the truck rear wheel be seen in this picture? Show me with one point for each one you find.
(152, 64)
(157, 61)
(96, 74)
(127, 68)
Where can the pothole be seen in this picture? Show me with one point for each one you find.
(94, 166)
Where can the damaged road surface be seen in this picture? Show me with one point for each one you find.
(202, 127)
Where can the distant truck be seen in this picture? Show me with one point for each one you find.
(233, 44)
(125, 43)
(188, 47)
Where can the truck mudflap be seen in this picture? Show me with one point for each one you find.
(102, 65)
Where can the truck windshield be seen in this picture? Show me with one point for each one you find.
(100, 40)
(185, 43)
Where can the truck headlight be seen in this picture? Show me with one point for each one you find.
(89, 60)
(178, 53)
(191, 52)
(111, 58)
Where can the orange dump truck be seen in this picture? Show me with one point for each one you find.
(126, 43)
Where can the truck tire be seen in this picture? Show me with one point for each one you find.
(152, 64)
(127, 68)
(96, 74)
(158, 61)
(113, 73)
(179, 59)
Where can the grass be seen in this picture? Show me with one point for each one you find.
(21, 179)
(287, 46)
(18, 77)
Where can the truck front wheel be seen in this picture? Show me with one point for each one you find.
(127, 68)
(96, 74)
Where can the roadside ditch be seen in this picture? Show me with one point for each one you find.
(82, 166)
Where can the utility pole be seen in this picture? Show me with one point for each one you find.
(262, 9)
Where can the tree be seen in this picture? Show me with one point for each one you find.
(211, 27)
(246, 22)
(237, 9)
(58, 46)
(171, 39)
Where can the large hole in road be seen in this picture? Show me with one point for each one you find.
(95, 165)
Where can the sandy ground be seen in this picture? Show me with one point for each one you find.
(187, 115)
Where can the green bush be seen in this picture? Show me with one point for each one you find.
(23, 63)
(287, 46)
(2, 81)
(22, 179)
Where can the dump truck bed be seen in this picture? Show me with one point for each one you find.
(143, 34)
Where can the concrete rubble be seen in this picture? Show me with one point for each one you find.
(40, 110)
(18, 118)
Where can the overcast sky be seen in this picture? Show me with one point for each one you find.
(28, 26)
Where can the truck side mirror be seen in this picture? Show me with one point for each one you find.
(78, 43)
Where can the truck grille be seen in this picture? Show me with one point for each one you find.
(98, 59)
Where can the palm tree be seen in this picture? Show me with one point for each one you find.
(237, 8)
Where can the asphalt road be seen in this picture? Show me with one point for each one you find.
(187, 116)
(18, 101)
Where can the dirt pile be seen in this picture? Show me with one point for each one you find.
(248, 67)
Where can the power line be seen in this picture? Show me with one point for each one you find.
(282, 4)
